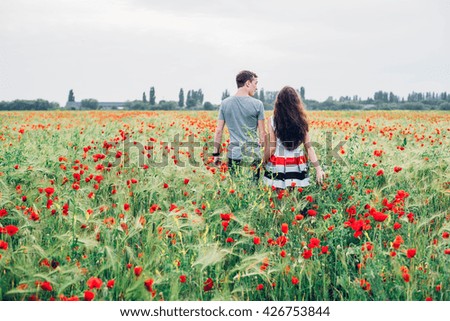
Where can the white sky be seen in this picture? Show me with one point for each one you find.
(113, 50)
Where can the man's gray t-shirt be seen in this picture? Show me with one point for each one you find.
(241, 115)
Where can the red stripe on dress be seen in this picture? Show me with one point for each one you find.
(276, 160)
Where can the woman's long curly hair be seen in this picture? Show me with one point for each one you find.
(291, 123)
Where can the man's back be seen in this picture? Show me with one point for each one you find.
(241, 115)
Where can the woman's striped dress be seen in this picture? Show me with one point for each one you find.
(285, 167)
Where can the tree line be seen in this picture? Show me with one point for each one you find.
(194, 100)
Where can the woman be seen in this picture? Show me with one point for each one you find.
(286, 164)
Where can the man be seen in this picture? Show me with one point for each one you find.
(244, 116)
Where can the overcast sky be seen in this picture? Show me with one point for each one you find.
(114, 50)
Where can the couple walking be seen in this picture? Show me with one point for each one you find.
(284, 158)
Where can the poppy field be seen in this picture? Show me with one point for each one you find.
(123, 205)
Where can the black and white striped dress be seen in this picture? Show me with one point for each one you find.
(285, 167)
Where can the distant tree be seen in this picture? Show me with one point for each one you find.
(445, 106)
(190, 103)
(167, 105)
(194, 98)
(71, 96)
(144, 97)
(136, 105)
(152, 97)
(256, 95)
(89, 103)
(270, 96)
(200, 96)
(181, 98)
(39, 104)
(261, 95)
(393, 98)
(302, 93)
(381, 96)
(225, 94)
(208, 106)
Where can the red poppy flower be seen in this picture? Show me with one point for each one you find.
(49, 191)
(281, 241)
(149, 285)
(259, 287)
(94, 282)
(126, 206)
(311, 212)
(11, 229)
(46, 286)
(314, 242)
(283, 253)
(447, 251)
(294, 280)
(183, 278)
(379, 216)
(401, 194)
(186, 181)
(3, 245)
(324, 250)
(411, 253)
(377, 153)
(110, 284)
(229, 240)
(284, 228)
(256, 240)
(380, 172)
(351, 210)
(154, 208)
(397, 242)
(208, 285)
(406, 277)
(307, 254)
(225, 225)
(3, 212)
(445, 235)
(397, 169)
(397, 225)
(89, 296)
(225, 216)
(138, 270)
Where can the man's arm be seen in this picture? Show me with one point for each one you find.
(269, 144)
(218, 139)
(262, 132)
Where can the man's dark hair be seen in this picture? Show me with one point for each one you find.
(243, 76)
